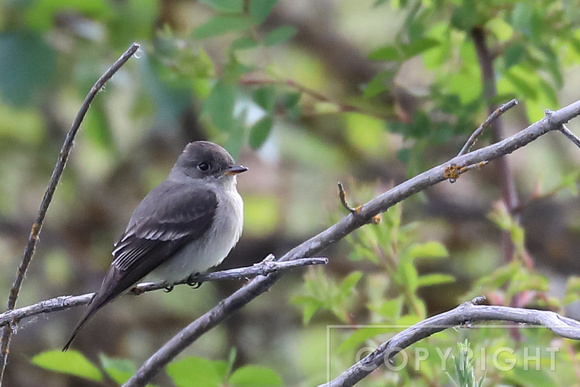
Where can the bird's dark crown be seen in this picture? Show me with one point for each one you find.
(204, 158)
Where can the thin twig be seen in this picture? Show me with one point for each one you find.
(465, 314)
(46, 200)
(264, 268)
(339, 230)
(571, 136)
(475, 135)
(354, 211)
(343, 201)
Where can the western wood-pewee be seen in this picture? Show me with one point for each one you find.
(185, 225)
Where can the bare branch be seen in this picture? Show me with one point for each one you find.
(465, 314)
(343, 201)
(265, 267)
(46, 200)
(486, 124)
(571, 136)
(338, 231)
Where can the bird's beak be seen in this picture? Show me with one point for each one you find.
(235, 170)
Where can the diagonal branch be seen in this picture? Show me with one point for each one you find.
(263, 268)
(46, 200)
(338, 231)
(571, 136)
(466, 313)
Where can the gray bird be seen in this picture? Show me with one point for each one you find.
(186, 225)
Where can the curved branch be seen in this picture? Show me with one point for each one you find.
(49, 193)
(264, 267)
(338, 231)
(466, 313)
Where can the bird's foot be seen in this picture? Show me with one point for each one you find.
(192, 282)
(168, 288)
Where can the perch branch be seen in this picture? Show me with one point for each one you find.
(264, 267)
(338, 231)
(465, 314)
(46, 200)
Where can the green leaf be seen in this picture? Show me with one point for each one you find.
(204, 372)
(41, 15)
(27, 67)
(570, 182)
(234, 70)
(529, 376)
(386, 53)
(219, 106)
(261, 9)
(265, 97)
(465, 16)
(498, 278)
(220, 25)
(390, 309)
(522, 17)
(260, 131)
(408, 276)
(310, 305)
(379, 84)
(457, 84)
(526, 85)
(234, 6)
(120, 370)
(514, 54)
(70, 362)
(572, 290)
(243, 43)
(435, 279)
(428, 250)
(549, 94)
(280, 35)
(360, 336)
(253, 375)
(291, 102)
(347, 285)
(418, 47)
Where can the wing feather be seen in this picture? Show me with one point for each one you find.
(167, 219)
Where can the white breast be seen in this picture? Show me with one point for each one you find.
(211, 249)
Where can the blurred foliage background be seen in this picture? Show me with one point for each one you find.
(305, 94)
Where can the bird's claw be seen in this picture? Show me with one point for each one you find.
(168, 288)
(192, 282)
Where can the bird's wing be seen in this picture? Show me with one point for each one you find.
(165, 221)
(181, 214)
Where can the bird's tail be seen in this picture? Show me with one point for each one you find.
(93, 308)
(96, 304)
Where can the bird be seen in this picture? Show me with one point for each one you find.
(184, 226)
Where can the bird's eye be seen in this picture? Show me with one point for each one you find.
(204, 167)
